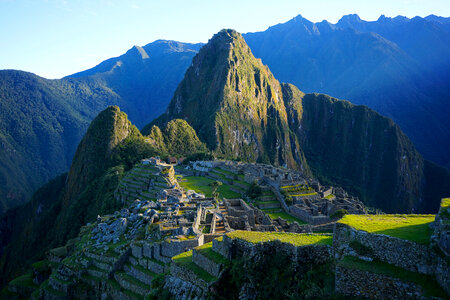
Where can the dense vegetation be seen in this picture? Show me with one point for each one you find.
(111, 146)
(42, 121)
(256, 274)
(178, 138)
(234, 104)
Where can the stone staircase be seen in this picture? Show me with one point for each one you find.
(220, 226)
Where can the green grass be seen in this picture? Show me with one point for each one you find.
(444, 212)
(329, 197)
(207, 251)
(445, 202)
(201, 185)
(296, 239)
(267, 202)
(133, 280)
(114, 284)
(41, 265)
(284, 215)
(143, 270)
(413, 228)
(185, 260)
(224, 171)
(156, 261)
(427, 282)
(303, 194)
(25, 280)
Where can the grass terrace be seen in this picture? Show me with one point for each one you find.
(24, 281)
(445, 203)
(415, 228)
(207, 251)
(303, 194)
(445, 208)
(428, 283)
(274, 214)
(185, 260)
(296, 239)
(201, 185)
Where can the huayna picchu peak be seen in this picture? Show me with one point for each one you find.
(243, 187)
(235, 104)
(239, 109)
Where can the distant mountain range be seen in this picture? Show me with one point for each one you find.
(42, 121)
(399, 67)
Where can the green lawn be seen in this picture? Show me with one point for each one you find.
(283, 215)
(296, 239)
(414, 228)
(185, 260)
(201, 185)
(428, 283)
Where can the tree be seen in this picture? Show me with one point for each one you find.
(214, 186)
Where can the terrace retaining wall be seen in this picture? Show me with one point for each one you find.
(358, 283)
(401, 253)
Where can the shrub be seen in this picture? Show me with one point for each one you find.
(339, 214)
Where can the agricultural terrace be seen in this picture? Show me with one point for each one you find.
(201, 185)
(415, 228)
(296, 239)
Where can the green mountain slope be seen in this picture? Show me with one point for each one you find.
(357, 148)
(241, 111)
(398, 67)
(110, 147)
(235, 104)
(42, 121)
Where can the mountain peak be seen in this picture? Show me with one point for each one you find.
(349, 19)
(235, 104)
(137, 52)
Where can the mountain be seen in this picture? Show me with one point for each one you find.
(235, 104)
(42, 121)
(145, 77)
(231, 103)
(240, 110)
(399, 67)
(110, 148)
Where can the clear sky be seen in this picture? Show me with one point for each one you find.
(54, 38)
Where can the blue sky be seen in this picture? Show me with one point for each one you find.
(54, 38)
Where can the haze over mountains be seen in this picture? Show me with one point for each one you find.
(399, 67)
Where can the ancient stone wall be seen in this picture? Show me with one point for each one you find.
(206, 264)
(301, 214)
(358, 283)
(175, 247)
(401, 253)
(187, 275)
